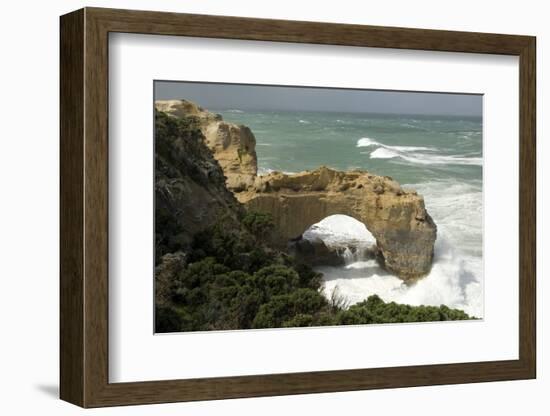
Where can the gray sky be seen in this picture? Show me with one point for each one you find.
(215, 96)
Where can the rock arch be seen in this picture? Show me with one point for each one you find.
(404, 231)
(397, 218)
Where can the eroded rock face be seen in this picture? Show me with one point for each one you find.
(404, 231)
(233, 146)
(190, 190)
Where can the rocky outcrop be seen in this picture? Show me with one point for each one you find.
(233, 146)
(315, 252)
(190, 190)
(404, 231)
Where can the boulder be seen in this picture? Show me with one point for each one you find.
(314, 252)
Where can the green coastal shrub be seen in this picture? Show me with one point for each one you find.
(233, 281)
(258, 223)
(299, 306)
(375, 310)
(276, 280)
(167, 319)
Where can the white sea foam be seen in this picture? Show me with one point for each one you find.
(415, 154)
(456, 278)
(264, 171)
(304, 122)
(469, 134)
(426, 159)
(383, 153)
(339, 230)
(367, 142)
(455, 281)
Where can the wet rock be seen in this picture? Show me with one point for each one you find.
(314, 252)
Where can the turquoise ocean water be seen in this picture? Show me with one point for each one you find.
(440, 156)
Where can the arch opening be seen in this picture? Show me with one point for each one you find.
(335, 240)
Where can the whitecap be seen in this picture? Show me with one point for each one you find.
(410, 148)
(383, 153)
(414, 154)
(425, 159)
(262, 171)
(367, 142)
(468, 134)
(265, 171)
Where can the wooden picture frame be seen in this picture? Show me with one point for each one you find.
(84, 207)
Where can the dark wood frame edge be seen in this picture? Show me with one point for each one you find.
(84, 215)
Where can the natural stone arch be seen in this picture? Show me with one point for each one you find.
(404, 231)
(336, 240)
(295, 214)
(397, 218)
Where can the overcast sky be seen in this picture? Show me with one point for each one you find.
(214, 96)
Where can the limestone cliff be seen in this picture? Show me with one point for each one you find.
(233, 146)
(404, 231)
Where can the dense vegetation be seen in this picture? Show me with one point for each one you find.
(190, 186)
(169, 165)
(232, 281)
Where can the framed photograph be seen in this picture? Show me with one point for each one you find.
(257, 207)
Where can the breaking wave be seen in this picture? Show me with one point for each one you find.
(367, 142)
(347, 229)
(456, 277)
(266, 171)
(416, 154)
